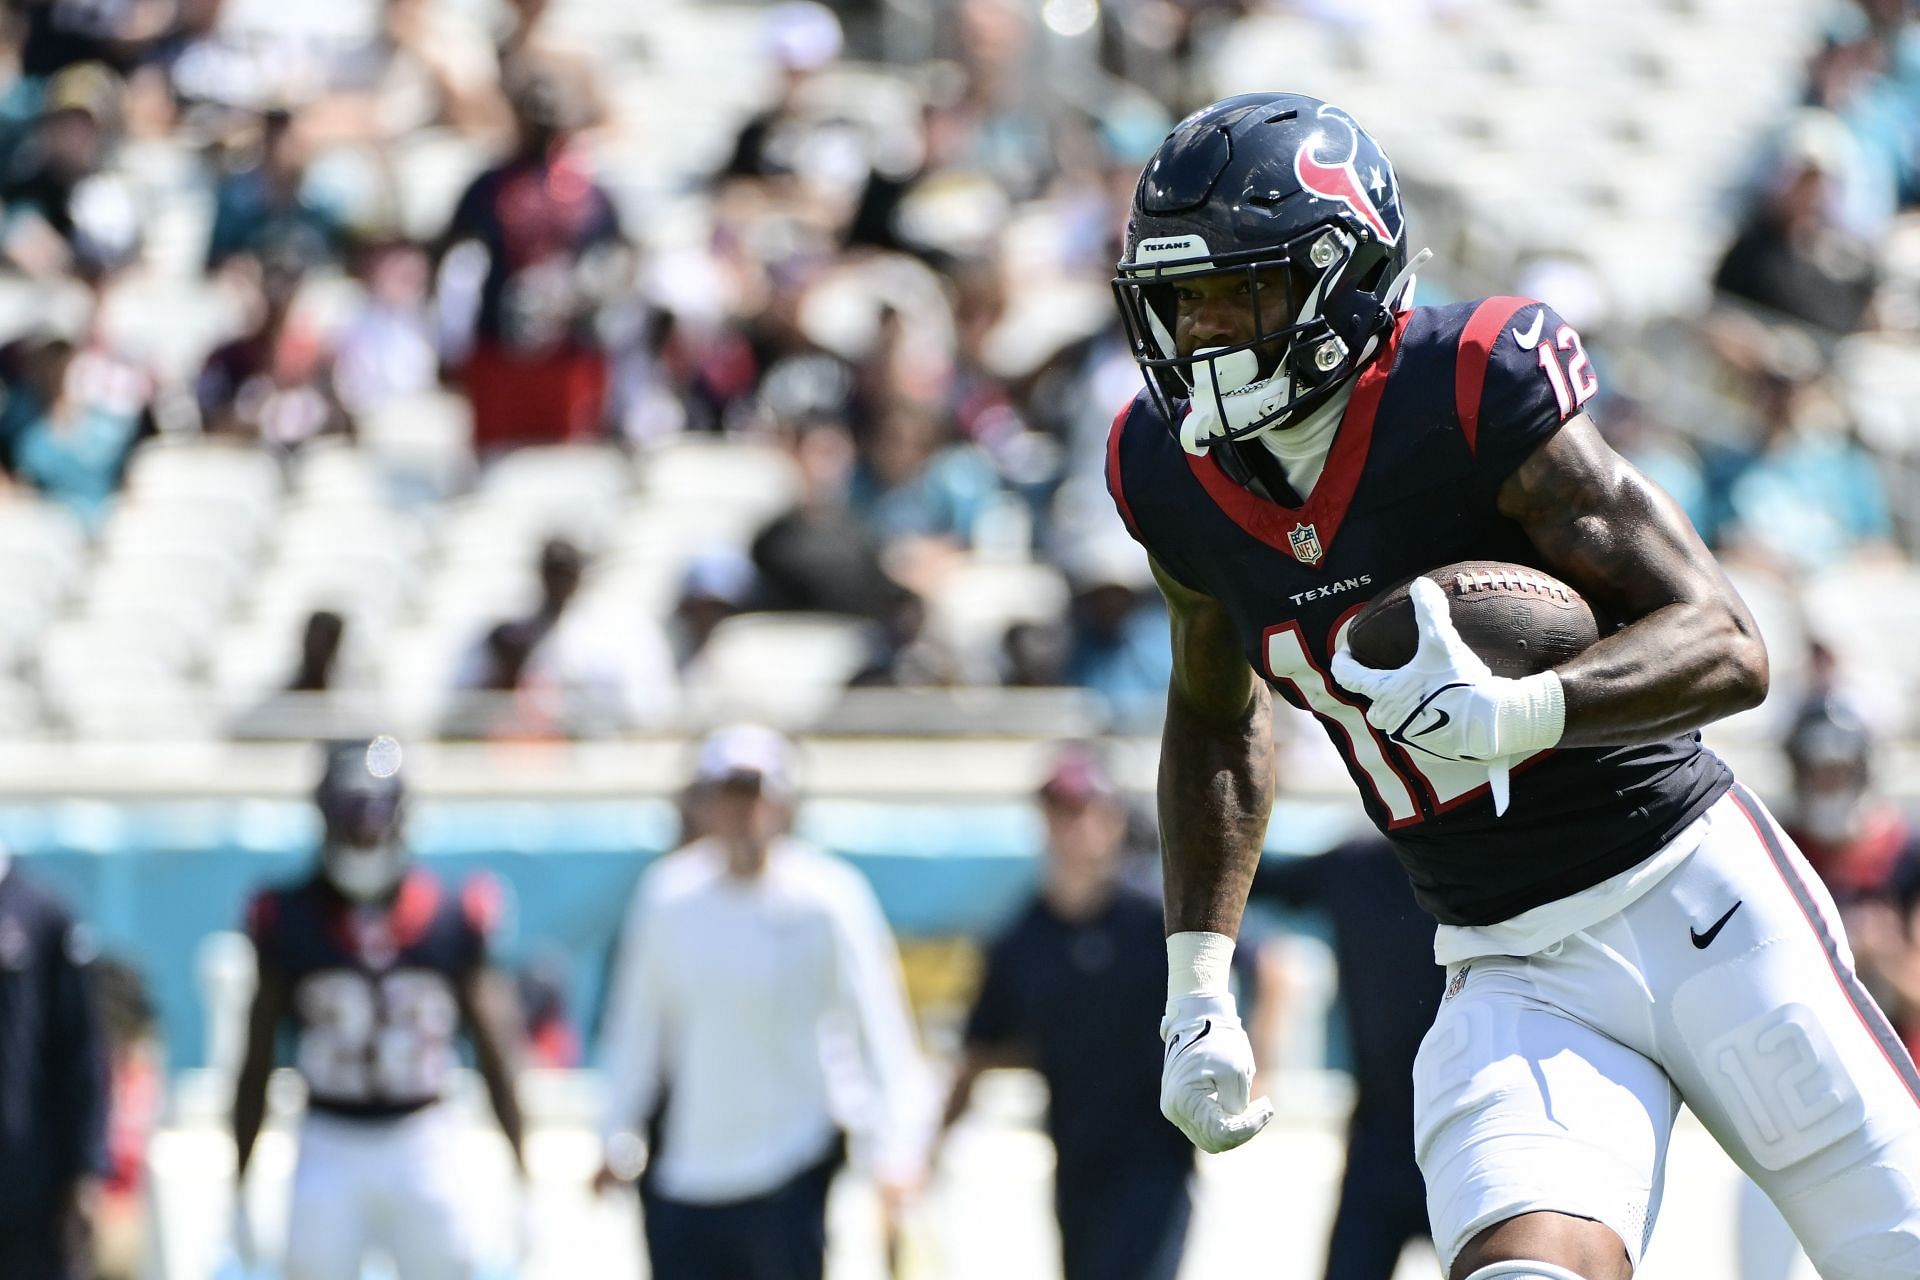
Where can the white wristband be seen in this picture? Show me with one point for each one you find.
(1198, 964)
(1532, 714)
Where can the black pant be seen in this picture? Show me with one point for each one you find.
(1123, 1221)
(781, 1235)
(1383, 1204)
(39, 1252)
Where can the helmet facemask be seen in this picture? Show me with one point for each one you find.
(1296, 357)
(364, 856)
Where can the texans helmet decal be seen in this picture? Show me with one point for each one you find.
(1339, 162)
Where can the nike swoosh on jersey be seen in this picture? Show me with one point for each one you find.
(1531, 338)
(1705, 940)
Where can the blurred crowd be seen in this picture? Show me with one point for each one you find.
(893, 273)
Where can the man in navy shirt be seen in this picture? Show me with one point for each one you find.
(1390, 990)
(1624, 926)
(1071, 989)
(53, 1086)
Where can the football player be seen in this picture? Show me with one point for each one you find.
(1624, 926)
(379, 968)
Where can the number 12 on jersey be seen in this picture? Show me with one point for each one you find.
(1575, 384)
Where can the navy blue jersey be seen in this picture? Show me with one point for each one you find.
(375, 989)
(1457, 398)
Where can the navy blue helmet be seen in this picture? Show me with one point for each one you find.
(1291, 195)
(363, 804)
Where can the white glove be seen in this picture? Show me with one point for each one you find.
(1446, 704)
(1207, 1074)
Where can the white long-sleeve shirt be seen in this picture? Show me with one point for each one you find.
(772, 1012)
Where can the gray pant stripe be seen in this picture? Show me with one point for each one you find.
(1863, 1004)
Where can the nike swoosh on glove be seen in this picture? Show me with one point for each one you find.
(1206, 1076)
(1446, 704)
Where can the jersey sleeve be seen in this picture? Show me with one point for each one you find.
(481, 903)
(995, 1020)
(1116, 479)
(1520, 372)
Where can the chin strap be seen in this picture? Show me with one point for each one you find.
(1399, 293)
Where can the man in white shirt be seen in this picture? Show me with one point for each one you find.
(756, 1018)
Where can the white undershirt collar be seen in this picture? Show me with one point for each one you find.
(1301, 447)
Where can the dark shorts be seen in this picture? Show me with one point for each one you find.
(38, 1252)
(781, 1235)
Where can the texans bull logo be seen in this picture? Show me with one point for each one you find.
(1339, 162)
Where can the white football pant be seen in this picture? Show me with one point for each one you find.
(1550, 1082)
(366, 1187)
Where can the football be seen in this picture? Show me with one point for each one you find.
(1518, 619)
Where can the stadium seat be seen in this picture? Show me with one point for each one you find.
(1868, 614)
(973, 607)
(423, 442)
(543, 473)
(783, 669)
(757, 480)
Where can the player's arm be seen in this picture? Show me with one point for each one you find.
(271, 1004)
(1215, 793)
(975, 1061)
(1216, 766)
(1689, 651)
(488, 1010)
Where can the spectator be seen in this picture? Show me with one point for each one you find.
(265, 208)
(63, 213)
(1864, 850)
(319, 650)
(1390, 989)
(537, 372)
(137, 1090)
(1812, 495)
(819, 555)
(749, 936)
(913, 489)
(552, 1042)
(1119, 646)
(1073, 988)
(387, 349)
(801, 36)
(580, 667)
(274, 382)
(71, 421)
(1033, 656)
(718, 583)
(1791, 256)
(53, 1086)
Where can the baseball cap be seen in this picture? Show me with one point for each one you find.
(1077, 776)
(747, 750)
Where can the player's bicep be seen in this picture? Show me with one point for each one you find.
(1609, 531)
(1210, 671)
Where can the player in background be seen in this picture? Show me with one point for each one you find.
(378, 968)
(1624, 926)
(1383, 952)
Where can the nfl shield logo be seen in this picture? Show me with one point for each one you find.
(1304, 540)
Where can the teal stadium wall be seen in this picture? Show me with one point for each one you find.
(153, 880)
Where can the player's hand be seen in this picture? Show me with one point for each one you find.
(1446, 704)
(1206, 1077)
